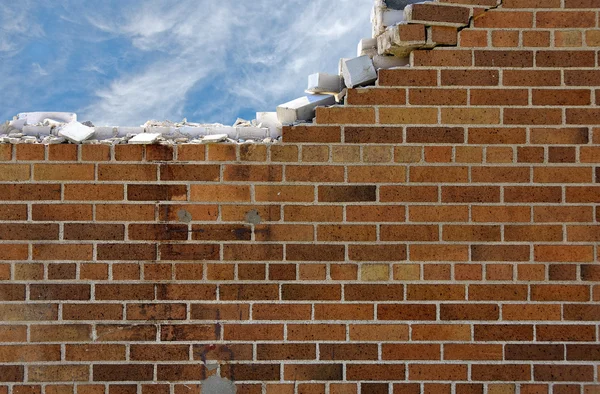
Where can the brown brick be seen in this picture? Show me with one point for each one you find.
(126, 252)
(438, 96)
(462, 194)
(325, 134)
(318, 372)
(293, 351)
(59, 292)
(560, 293)
(497, 135)
(60, 333)
(504, 97)
(405, 115)
(354, 351)
(406, 312)
(58, 373)
(159, 152)
(531, 312)
(12, 373)
(472, 352)
(94, 231)
(531, 77)
(409, 193)
(221, 152)
(346, 193)
(473, 38)
(129, 152)
(558, 373)
(24, 152)
(469, 312)
(62, 252)
(186, 292)
(377, 252)
(500, 252)
(310, 292)
(313, 332)
(312, 174)
(191, 152)
(440, 372)
(432, 252)
(435, 292)
(411, 352)
(503, 332)
(91, 192)
(564, 253)
(468, 77)
(534, 352)
(565, 59)
(535, 38)
(505, 39)
(220, 193)
(13, 252)
(408, 77)
(315, 153)
(505, 19)
(159, 352)
(126, 212)
(281, 312)
(188, 332)
(189, 172)
(380, 372)
(438, 135)
(253, 332)
(157, 192)
(345, 115)
(156, 311)
(503, 58)
(515, 194)
(92, 312)
(220, 311)
(371, 135)
(62, 152)
(122, 372)
(473, 233)
(497, 292)
(280, 193)
(252, 252)
(501, 373)
(240, 213)
(565, 19)
(249, 292)
(95, 352)
(410, 233)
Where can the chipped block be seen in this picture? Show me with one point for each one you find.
(252, 133)
(367, 46)
(144, 138)
(387, 62)
(76, 132)
(105, 132)
(125, 131)
(215, 138)
(401, 40)
(359, 72)
(303, 108)
(341, 65)
(37, 131)
(383, 17)
(324, 83)
(437, 14)
(269, 119)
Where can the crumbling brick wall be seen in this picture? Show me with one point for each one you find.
(438, 234)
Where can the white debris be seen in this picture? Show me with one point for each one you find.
(324, 83)
(144, 138)
(367, 47)
(105, 132)
(359, 71)
(37, 131)
(382, 17)
(124, 131)
(34, 118)
(387, 62)
(215, 138)
(303, 108)
(76, 132)
(269, 120)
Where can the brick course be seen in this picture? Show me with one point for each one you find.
(439, 234)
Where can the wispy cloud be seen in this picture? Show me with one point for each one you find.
(201, 59)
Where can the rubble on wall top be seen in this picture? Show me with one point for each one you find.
(398, 29)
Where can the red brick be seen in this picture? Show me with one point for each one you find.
(558, 373)
(472, 352)
(408, 77)
(501, 373)
(502, 58)
(531, 77)
(505, 19)
(565, 59)
(453, 372)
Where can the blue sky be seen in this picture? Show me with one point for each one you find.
(122, 62)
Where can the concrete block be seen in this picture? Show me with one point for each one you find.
(215, 138)
(324, 83)
(387, 62)
(37, 131)
(76, 132)
(252, 133)
(125, 131)
(367, 47)
(105, 132)
(303, 108)
(341, 65)
(144, 138)
(359, 72)
(269, 120)
(382, 17)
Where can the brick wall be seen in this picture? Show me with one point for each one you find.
(438, 235)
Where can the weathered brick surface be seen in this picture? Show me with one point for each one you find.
(439, 234)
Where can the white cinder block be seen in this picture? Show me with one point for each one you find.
(269, 119)
(37, 131)
(324, 83)
(386, 62)
(367, 46)
(215, 138)
(125, 131)
(76, 132)
(359, 71)
(105, 132)
(144, 138)
(252, 133)
(303, 108)
(382, 17)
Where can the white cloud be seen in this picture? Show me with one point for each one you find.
(260, 52)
